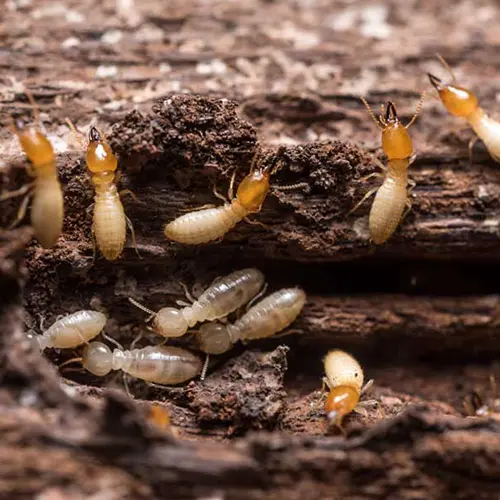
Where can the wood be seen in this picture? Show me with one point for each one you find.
(420, 312)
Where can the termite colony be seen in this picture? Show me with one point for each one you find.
(207, 316)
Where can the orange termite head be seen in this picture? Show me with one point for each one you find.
(396, 141)
(253, 189)
(35, 145)
(99, 157)
(459, 101)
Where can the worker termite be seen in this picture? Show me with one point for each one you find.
(217, 301)
(393, 195)
(462, 102)
(72, 330)
(210, 224)
(267, 317)
(157, 364)
(109, 226)
(47, 209)
(344, 378)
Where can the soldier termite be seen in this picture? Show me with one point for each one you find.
(462, 102)
(72, 330)
(269, 316)
(163, 365)
(109, 226)
(47, 209)
(393, 195)
(217, 301)
(209, 224)
(344, 378)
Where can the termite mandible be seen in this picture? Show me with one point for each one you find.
(47, 209)
(462, 102)
(393, 195)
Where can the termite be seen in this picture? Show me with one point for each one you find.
(47, 209)
(269, 316)
(72, 330)
(162, 365)
(210, 224)
(462, 102)
(475, 406)
(344, 378)
(217, 301)
(394, 193)
(109, 226)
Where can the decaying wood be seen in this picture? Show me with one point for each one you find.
(184, 91)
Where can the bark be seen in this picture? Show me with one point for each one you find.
(185, 92)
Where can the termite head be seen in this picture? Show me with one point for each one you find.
(213, 338)
(97, 359)
(459, 101)
(170, 322)
(345, 379)
(396, 141)
(35, 145)
(253, 190)
(100, 157)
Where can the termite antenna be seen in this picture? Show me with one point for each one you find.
(140, 306)
(205, 368)
(446, 66)
(31, 99)
(371, 113)
(417, 109)
(78, 135)
(70, 361)
(113, 341)
(255, 158)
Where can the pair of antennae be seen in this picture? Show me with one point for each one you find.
(437, 82)
(390, 113)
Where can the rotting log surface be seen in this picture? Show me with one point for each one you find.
(421, 312)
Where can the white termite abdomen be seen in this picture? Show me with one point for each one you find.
(488, 130)
(109, 224)
(205, 225)
(389, 204)
(228, 294)
(270, 315)
(47, 209)
(159, 364)
(73, 330)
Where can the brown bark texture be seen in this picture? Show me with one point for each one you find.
(185, 93)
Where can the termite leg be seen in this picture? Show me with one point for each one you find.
(472, 142)
(134, 342)
(17, 192)
(230, 191)
(197, 209)
(257, 297)
(412, 185)
(256, 223)
(369, 176)
(367, 386)
(21, 212)
(132, 233)
(379, 164)
(125, 384)
(94, 244)
(371, 192)
(124, 192)
(219, 195)
(187, 293)
(205, 368)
